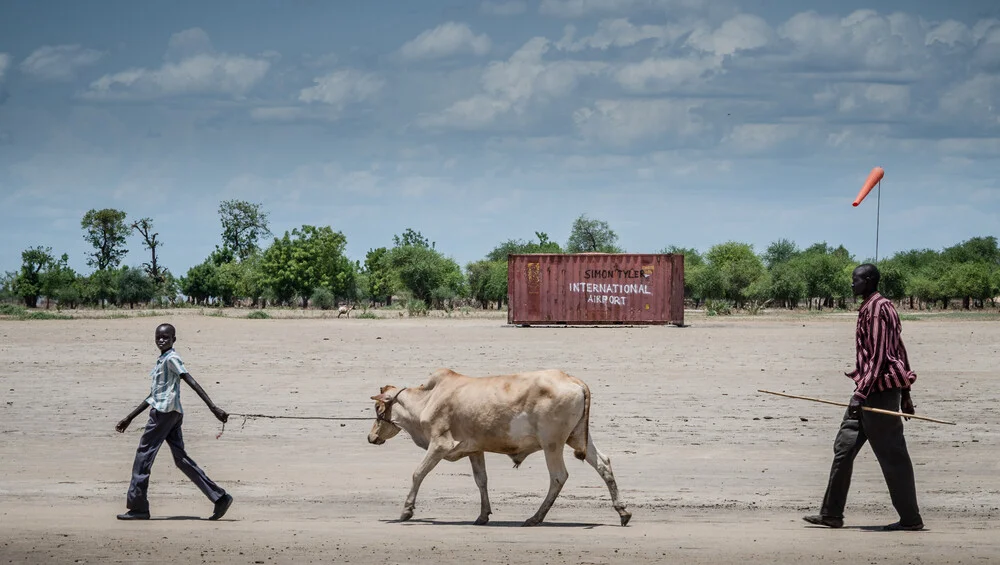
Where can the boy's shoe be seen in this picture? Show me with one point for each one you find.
(221, 506)
(899, 526)
(824, 521)
(133, 515)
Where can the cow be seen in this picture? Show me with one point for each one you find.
(344, 310)
(453, 416)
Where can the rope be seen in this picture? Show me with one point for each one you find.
(272, 417)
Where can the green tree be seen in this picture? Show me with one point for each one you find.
(423, 271)
(592, 236)
(378, 276)
(519, 246)
(150, 242)
(58, 282)
(779, 253)
(788, 284)
(243, 225)
(106, 231)
(134, 285)
(199, 283)
(487, 282)
(309, 258)
(969, 281)
(28, 284)
(738, 267)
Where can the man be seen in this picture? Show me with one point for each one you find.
(883, 378)
(165, 419)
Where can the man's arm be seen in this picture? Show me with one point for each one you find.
(219, 412)
(873, 355)
(128, 419)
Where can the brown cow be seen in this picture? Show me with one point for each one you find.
(454, 416)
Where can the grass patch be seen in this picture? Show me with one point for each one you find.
(12, 310)
(258, 315)
(367, 316)
(43, 315)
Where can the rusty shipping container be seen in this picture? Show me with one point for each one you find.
(595, 288)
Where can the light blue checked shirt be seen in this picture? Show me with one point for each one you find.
(165, 389)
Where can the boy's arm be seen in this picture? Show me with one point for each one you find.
(128, 419)
(219, 412)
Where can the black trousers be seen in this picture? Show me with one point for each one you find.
(885, 433)
(164, 426)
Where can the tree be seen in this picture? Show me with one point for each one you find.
(243, 224)
(412, 238)
(518, 246)
(314, 258)
(134, 286)
(28, 284)
(487, 282)
(692, 262)
(199, 283)
(788, 284)
(780, 252)
(106, 231)
(58, 281)
(423, 271)
(739, 268)
(588, 236)
(145, 227)
(378, 275)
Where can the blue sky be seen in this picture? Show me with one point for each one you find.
(677, 121)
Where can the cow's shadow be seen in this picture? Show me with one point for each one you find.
(493, 523)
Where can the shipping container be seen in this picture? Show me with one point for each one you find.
(595, 288)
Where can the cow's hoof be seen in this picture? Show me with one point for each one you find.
(406, 515)
(626, 516)
(531, 522)
(482, 520)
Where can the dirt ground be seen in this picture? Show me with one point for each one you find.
(713, 471)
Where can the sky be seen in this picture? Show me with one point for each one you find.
(679, 122)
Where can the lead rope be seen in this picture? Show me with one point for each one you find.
(269, 416)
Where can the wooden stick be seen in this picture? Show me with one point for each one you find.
(876, 410)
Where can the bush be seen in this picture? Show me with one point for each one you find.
(323, 299)
(367, 316)
(717, 308)
(12, 310)
(258, 315)
(416, 307)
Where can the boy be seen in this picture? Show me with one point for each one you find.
(165, 417)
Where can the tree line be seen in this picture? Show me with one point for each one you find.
(308, 266)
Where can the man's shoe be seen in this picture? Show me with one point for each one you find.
(133, 515)
(824, 521)
(221, 506)
(901, 527)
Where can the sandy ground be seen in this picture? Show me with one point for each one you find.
(713, 471)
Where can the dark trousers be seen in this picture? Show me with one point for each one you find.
(164, 426)
(885, 433)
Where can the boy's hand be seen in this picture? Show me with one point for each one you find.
(220, 414)
(122, 425)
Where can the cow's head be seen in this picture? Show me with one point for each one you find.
(383, 429)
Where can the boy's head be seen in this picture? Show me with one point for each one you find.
(166, 335)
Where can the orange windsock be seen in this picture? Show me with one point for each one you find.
(873, 178)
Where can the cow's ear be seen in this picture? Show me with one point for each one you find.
(383, 398)
(377, 397)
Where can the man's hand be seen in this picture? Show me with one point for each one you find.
(123, 424)
(906, 405)
(220, 414)
(854, 408)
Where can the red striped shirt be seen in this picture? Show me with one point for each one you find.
(882, 363)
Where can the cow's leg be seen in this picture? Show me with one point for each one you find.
(557, 478)
(602, 464)
(433, 457)
(479, 473)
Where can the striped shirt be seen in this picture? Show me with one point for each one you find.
(165, 389)
(882, 363)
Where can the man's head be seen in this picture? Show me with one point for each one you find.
(166, 335)
(864, 280)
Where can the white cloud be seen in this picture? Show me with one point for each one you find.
(581, 8)
(739, 33)
(511, 8)
(510, 85)
(59, 62)
(620, 33)
(343, 87)
(191, 67)
(447, 39)
(660, 75)
(623, 122)
(976, 99)
(949, 33)
(4, 63)
(276, 113)
(759, 138)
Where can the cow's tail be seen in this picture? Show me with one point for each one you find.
(582, 429)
